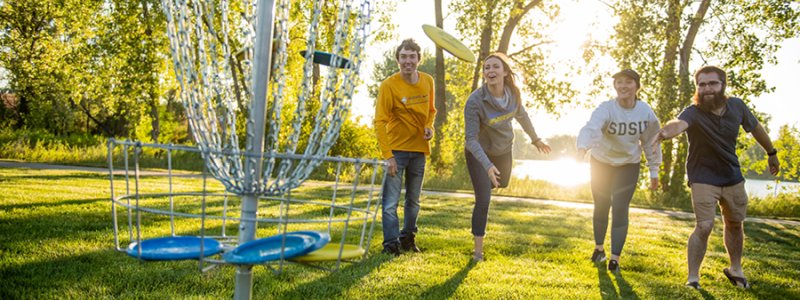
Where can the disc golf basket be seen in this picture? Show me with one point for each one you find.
(234, 56)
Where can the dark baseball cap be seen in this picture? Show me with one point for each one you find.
(628, 73)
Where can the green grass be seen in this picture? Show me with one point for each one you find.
(56, 241)
(84, 150)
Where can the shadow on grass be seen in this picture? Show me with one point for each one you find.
(765, 232)
(91, 273)
(62, 177)
(625, 289)
(607, 288)
(534, 232)
(449, 287)
(53, 204)
(706, 295)
(334, 284)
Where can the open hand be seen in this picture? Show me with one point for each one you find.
(774, 165)
(542, 147)
(392, 166)
(653, 184)
(581, 156)
(660, 136)
(494, 176)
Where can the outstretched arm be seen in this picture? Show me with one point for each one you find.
(672, 129)
(761, 136)
(591, 133)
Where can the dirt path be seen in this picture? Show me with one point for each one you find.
(559, 203)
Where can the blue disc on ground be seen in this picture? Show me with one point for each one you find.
(175, 248)
(269, 248)
(328, 59)
(321, 238)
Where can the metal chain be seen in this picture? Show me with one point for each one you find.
(213, 64)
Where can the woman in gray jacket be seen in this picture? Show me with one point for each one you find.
(489, 137)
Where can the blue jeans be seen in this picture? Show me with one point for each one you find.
(412, 165)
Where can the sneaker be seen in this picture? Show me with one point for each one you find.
(391, 249)
(407, 243)
(613, 266)
(598, 256)
(477, 257)
(693, 285)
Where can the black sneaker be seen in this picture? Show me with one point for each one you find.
(407, 244)
(693, 285)
(598, 256)
(613, 265)
(391, 249)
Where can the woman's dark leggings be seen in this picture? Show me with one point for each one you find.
(483, 187)
(612, 187)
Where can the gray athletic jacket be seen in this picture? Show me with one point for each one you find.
(487, 126)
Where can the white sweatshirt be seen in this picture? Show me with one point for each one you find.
(617, 135)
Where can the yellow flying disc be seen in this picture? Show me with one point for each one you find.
(331, 252)
(449, 43)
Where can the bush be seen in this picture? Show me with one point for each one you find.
(785, 205)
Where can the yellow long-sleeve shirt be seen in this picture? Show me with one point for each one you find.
(402, 113)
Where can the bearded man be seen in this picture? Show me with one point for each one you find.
(712, 167)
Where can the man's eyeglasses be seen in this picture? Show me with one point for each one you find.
(709, 84)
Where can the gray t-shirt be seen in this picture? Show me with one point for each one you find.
(712, 143)
(487, 125)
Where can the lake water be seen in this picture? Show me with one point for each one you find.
(569, 172)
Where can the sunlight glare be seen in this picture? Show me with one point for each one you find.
(578, 25)
(564, 172)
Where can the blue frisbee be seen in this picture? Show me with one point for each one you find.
(269, 248)
(175, 248)
(328, 59)
(321, 239)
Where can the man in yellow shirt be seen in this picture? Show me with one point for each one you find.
(404, 115)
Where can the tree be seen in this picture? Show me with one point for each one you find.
(32, 53)
(84, 62)
(789, 155)
(754, 158)
(658, 38)
(439, 96)
(521, 37)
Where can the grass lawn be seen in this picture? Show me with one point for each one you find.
(56, 241)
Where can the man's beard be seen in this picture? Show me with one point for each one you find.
(707, 105)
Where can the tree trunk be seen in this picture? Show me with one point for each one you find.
(685, 95)
(152, 94)
(513, 20)
(485, 45)
(23, 108)
(666, 94)
(486, 42)
(439, 101)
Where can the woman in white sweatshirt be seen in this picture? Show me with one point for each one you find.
(616, 134)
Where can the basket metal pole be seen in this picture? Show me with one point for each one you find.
(255, 142)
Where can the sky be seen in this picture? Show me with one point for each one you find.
(573, 24)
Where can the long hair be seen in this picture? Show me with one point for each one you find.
(723, 78)
(509, 79)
